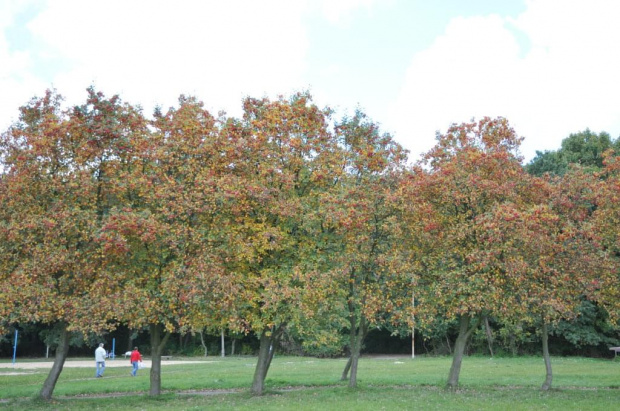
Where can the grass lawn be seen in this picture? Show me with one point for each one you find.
(302, 383)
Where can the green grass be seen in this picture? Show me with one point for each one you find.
(310, 384)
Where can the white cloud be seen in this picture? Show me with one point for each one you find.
(463, 74)
(564, 83)
(152, 51)
(17, 83)
(338, 12)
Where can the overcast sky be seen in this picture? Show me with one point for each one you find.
(415, 66)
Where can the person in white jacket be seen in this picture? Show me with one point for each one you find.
(99, 361)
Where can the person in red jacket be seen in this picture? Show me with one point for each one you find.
(135, 359)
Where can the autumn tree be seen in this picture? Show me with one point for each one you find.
(163, 237)
(288, 162)
(586, 150)
(362, 210)
(58, 171)
(473, 169)
(605, 223)
(545, 254)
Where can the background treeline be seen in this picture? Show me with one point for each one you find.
(286, 229)
(589, 335)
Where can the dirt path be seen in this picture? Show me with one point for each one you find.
(117, 362)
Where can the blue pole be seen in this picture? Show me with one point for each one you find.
(15, 348)
(113, 344)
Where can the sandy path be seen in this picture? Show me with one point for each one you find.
(118, 362)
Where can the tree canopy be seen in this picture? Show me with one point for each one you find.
(585, 148)
(287, 222)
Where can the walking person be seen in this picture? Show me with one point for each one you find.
(99, 361)
(135, 359)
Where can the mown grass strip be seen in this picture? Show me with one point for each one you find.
(306, 383)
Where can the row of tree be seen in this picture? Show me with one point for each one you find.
(287, 220)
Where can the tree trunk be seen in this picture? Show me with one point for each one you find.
(459, 349)
(157, 347)
(268, 343)
(356, 335)
(357, 339)
(513, 344)
(232, 347)
(59, 361)
(345, 372)
(545, 345)
(202, 342)
(355, 356)
(130, 339)
(223, 346)
(413, 326)
(489, 334)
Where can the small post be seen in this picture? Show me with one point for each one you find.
(113, 344)
(15, 348)
(223, 347)
(413, 326)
